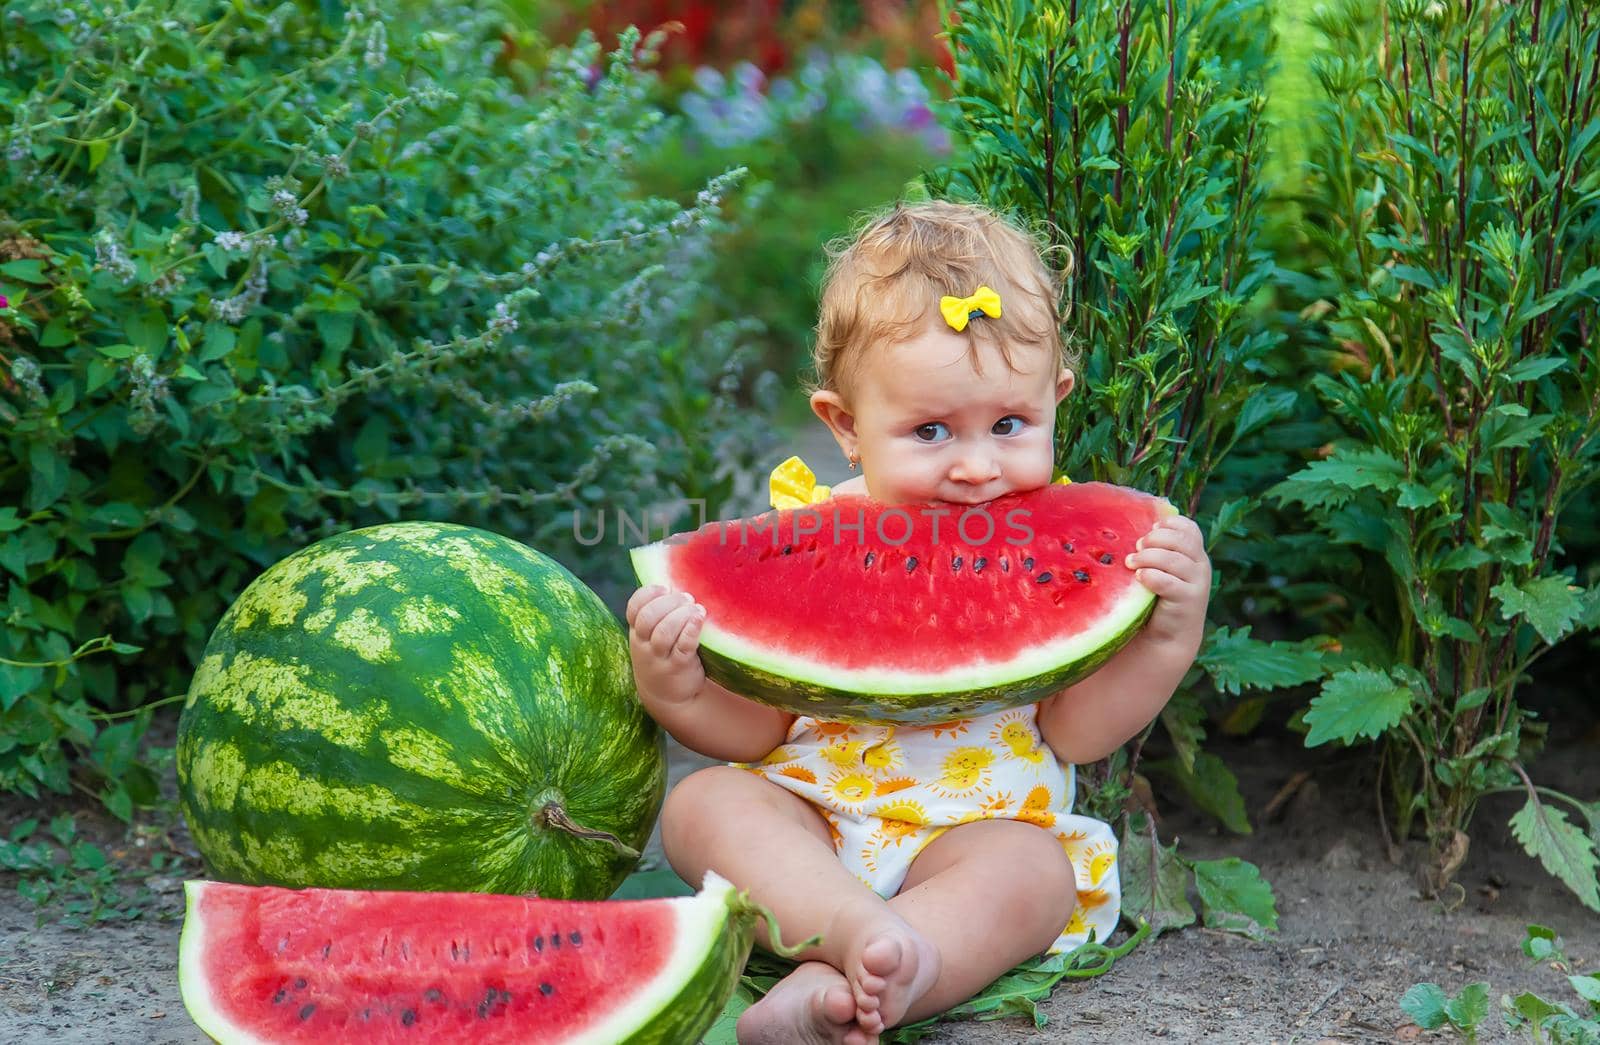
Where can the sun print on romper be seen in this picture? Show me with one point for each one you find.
(966, 770)
(849, 788)
(1036, 807)
(846, 754)
(1015, 730)
(884, 756)
(995, 804)
(955, 728)
(833, 730)
(800, 773)
(893, 784)
(1098, 859)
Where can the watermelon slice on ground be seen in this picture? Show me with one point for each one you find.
(266, 964)
(857, 611)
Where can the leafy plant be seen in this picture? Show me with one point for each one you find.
(1553, 1021)
(379, 269)
(72, 881)
(1431, 1008)
(1458, 260)
(1131, 136)
(1540, 1019)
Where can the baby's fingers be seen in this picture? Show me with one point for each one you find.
(670, 633)
(640, 599)
(1175, 563)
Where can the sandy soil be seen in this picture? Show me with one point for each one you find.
(1354, 934)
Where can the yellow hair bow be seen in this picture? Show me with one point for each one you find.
(793, 485)
(957, 311)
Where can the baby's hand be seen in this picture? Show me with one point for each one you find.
(664, 644)
(1171, 561)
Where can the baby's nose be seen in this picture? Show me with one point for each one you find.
(975, 467)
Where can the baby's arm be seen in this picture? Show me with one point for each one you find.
(664, 644)
(1087, 721)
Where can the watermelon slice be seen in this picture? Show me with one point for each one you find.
(265, 964)
(857, 611)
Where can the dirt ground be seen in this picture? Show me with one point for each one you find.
(1353, 936)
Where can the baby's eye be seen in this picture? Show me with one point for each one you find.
(1008, 425)
(933, 432)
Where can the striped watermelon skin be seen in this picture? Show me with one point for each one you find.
(405, 707)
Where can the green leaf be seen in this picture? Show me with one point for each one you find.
(1155, 883)
(1424, 1003)
(1468, 1008)
(1236, 662)
(15, 682)
(1336, 479)
(1550, 604)
(1357, 702)
(29, 270)
(1587, 986)
(1565, 851)
(147, 332)
(49, 474)
(1211, 785)
(1235, 897)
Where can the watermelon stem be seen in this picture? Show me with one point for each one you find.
(744, 905)
(1107, 956)
(551, 814)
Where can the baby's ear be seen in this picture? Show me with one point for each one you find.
(835, 413)
(1064, 384)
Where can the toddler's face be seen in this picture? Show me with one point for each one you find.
(930, 423)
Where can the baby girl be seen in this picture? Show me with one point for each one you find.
(972, 860)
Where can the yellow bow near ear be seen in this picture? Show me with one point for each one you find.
(957, 311)
(793, 485)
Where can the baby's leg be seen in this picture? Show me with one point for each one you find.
(773, 844)
(985, 895)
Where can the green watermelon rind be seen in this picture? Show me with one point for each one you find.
(716, 931)
(803, 686)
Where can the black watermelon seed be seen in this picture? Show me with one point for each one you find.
(1066, 546)
(1105, 558)
(955, 564)
(300, 984)
(574, 938)
(546, 989)
(1044, 578)
(433, 994)
(911, 563)
(979, 563)
(555, 939)
(307, 1010)
(326, 949)
(1005, 564)
(538, 943)
(408, 1017)
(1082, 575)
(483, 1009)
(277, 999)
(788, 548)
(1027, 563)
(868, 560)
(505, 996)
(366, 1014)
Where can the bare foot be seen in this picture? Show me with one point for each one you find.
(893, 967)
(811, 1006)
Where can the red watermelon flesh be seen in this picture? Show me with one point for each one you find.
(862, 611)
(264, 964)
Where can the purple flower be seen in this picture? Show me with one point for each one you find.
(3, 302)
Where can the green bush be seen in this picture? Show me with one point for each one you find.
(1456, 347)
(277, 271)
(1131, 135)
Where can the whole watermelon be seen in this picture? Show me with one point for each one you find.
(420, 706)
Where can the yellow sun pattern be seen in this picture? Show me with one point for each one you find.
(887, 791)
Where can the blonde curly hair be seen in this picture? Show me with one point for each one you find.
(884, 282)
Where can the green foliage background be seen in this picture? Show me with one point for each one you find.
(278, 272)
